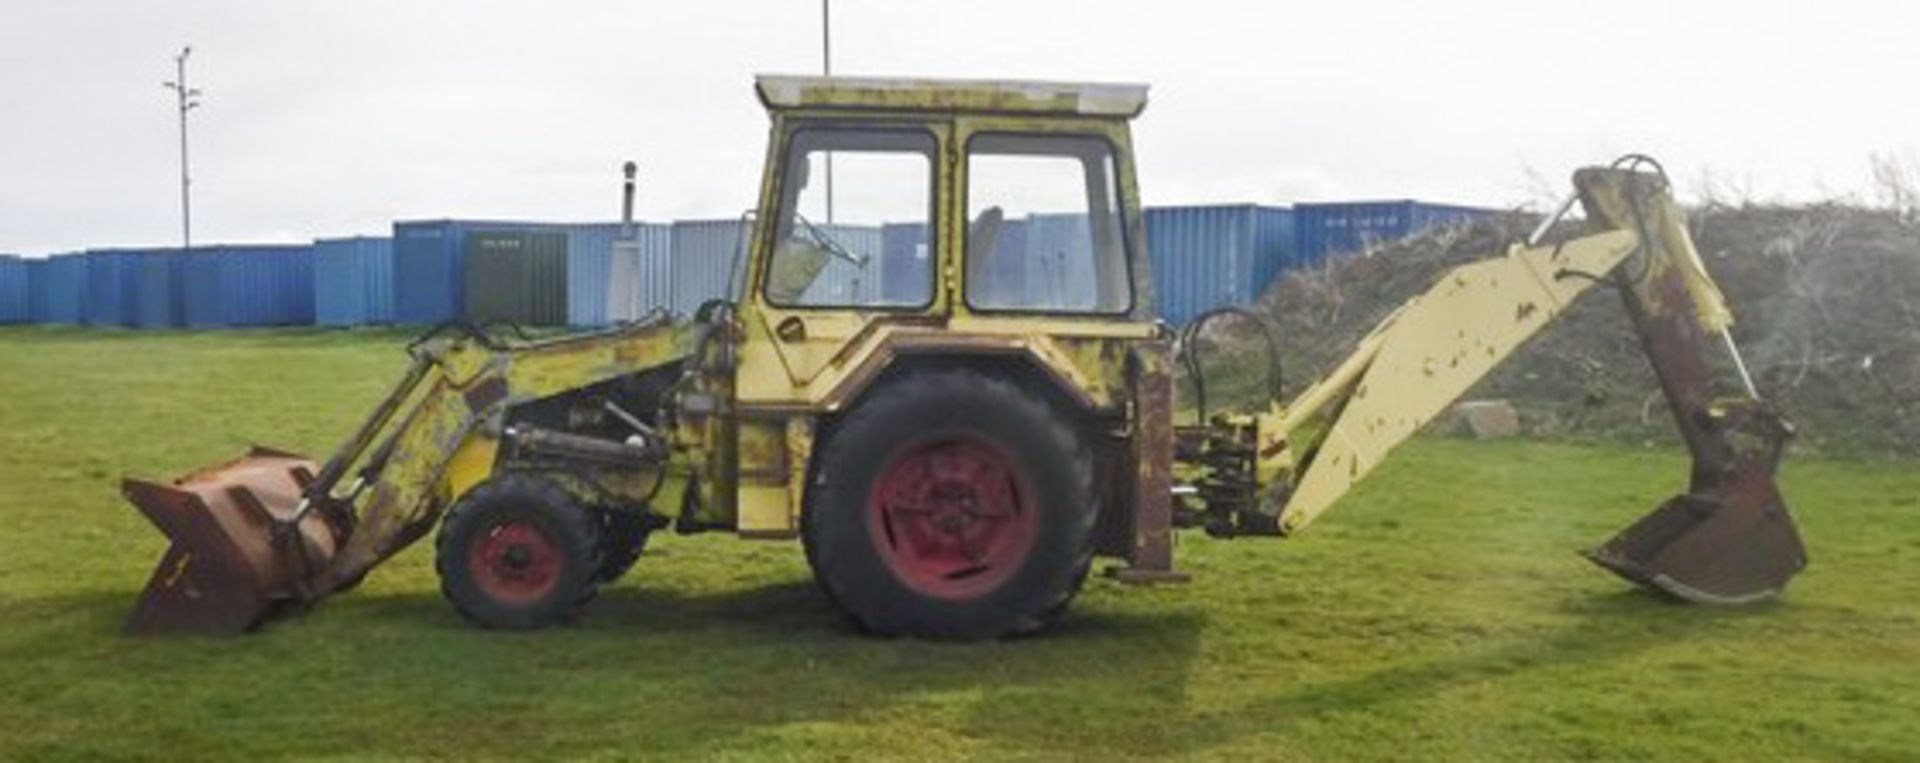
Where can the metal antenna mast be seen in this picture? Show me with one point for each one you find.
(826, 68)
(188, 98)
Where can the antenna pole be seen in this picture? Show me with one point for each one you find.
(826, 68)
(186, 98)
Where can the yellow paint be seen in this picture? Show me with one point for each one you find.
(471, 465)
(764, 511)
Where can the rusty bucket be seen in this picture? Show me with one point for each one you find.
(1729, 538)
(238, 554)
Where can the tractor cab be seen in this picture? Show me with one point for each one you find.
(989, 209)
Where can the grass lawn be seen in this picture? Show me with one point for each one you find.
(1438, 613)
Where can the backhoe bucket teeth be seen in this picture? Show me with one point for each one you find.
(234, 559)
(1729, 541)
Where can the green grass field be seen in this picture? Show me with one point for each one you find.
(1438, 613)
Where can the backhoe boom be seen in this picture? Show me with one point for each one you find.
(1728, 539)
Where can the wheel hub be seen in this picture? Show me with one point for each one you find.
(515, 563)
(951, 516)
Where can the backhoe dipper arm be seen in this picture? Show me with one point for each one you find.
(1728, 539)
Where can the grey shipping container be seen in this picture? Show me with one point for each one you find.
(16, 289)
(1205, 257)
(353, 281)
(591, 291)
(703, 256)
(516, 276)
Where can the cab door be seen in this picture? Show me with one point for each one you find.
(848, 238)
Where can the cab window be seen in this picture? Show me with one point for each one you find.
(1044, 230)
(856, 209)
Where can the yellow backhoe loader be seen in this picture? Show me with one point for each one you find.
(954, 422)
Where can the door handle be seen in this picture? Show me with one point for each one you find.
(791, 329)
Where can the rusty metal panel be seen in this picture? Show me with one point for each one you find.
(1150, 559)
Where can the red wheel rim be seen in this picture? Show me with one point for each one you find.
(514, 563)
(953, 516)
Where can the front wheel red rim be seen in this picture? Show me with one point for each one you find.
(515, 563)
(953, 516)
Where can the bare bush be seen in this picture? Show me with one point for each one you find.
(1827, 298)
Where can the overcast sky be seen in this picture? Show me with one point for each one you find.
(336, 117)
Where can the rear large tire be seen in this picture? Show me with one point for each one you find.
(951, 505)
(517, 552)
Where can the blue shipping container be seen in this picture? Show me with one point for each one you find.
(430, 265)
(113, 287)
(60, 291)
(353, 281)
(1212, 256)
(426, 272)
(906, 278)
(1341, 227)
(590, 252)
(248, 286)
(36, 289)
(16, 289)
(157, 296)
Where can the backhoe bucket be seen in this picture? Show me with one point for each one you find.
(236, 555)
(1728, 539)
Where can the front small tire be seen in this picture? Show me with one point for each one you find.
(517, 553)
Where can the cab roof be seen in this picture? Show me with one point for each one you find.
(784, 92)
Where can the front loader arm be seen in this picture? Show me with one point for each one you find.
(272, 530)
(449, 437)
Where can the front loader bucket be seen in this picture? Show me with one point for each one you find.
(1727, 541)
(236, 557)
